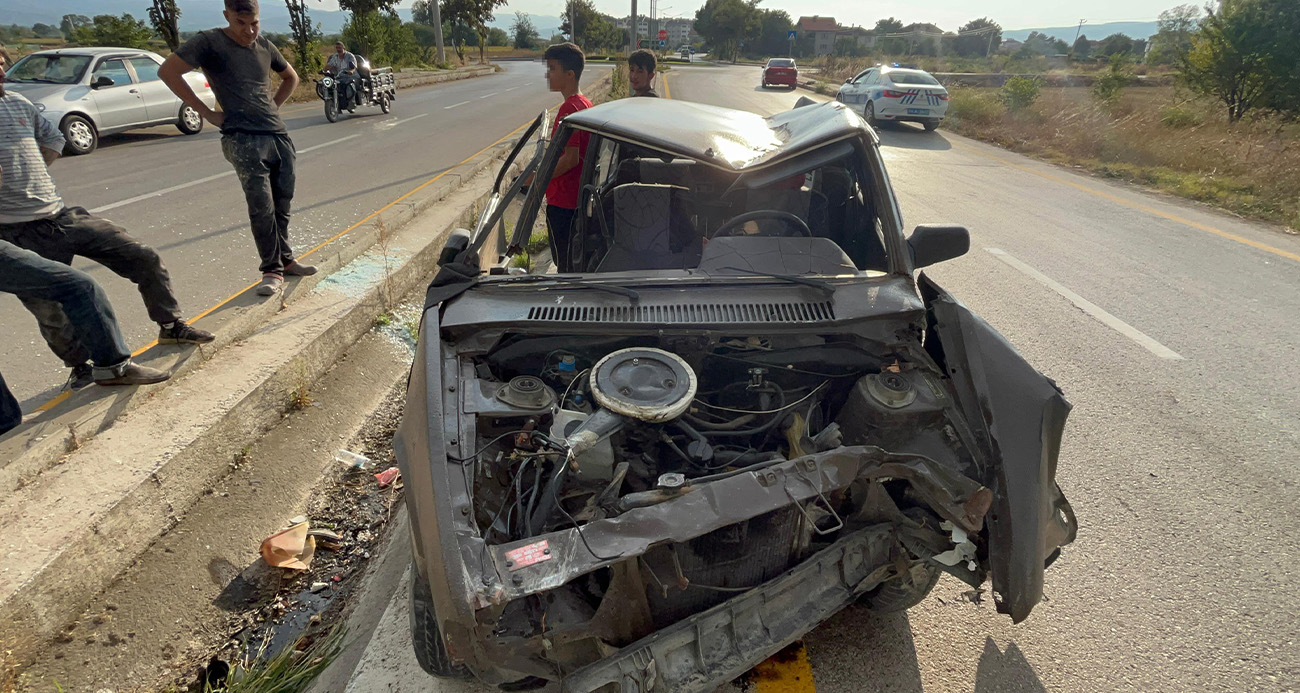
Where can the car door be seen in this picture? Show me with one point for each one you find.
(160, 104)
(119, 104)
(855, 90)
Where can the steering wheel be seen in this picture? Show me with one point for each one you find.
(735, 223)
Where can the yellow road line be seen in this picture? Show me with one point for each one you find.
(59, 398)
(1135, 205)
(787, 671)
(668, 93)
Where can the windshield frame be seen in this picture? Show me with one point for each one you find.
(12, 74)
(907, 73)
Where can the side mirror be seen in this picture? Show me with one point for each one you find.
(933, 243)
(456, 244)
(102, 81)
(849, 81)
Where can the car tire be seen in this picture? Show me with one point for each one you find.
(869, 113)
(426, 637)
(188, 121)
(79, 134)
(930, 125)
(903, 592)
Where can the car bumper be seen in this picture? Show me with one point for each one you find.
(787, 80)
(913, 113)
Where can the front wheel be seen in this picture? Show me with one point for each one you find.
(79, 134)
(331, 109)
(188, 121)
(426, 637)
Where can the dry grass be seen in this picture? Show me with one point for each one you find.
(1152, 136)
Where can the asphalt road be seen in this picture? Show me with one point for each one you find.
(179, 195)
(1172, 330)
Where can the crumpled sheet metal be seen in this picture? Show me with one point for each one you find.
(712, 505)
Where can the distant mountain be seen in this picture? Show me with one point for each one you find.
(205, 14)
(1092, 31)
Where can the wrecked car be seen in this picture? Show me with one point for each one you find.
(738, 412)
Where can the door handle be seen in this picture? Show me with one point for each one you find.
(135, 91)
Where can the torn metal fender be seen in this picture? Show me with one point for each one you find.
(547, 561)
(1018, 415)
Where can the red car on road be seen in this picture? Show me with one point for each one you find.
(780, 71)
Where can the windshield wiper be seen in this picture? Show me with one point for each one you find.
(793, 278)
(578, 281)
(31, 79)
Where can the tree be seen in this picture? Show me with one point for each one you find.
(472, 13)
(70, 24)
(497, 37)
(1114, 44)
(426, 13)
(1173, 37)
(1082, 48)
(306, 38)
(848, 47)
(1245, 55)
(45, 30)
(725, 24)
(110, 30)
(774, 30)
(164, 15)
(523, 32)
(924, 38)
(1041, 44)
(978, 37)
(890, 45)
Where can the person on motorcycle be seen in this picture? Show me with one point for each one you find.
(343, 65)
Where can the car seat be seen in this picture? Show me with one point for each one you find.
(648, 229)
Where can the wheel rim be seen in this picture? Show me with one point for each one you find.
(80, 134)
(191, 118)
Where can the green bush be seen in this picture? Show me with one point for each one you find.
(1109, 85)
(975, 109)
(1020, 93)
(1179, 116)
(537, 242)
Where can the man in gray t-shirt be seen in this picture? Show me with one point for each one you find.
(238, 62)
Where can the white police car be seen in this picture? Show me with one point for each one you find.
(895, 92)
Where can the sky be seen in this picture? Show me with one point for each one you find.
(948, 14)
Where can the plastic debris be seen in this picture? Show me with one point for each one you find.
(318, 586)
(388, 476)
(290, 548)
(352, 459)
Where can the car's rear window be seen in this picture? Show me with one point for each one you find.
(780, 62)
(912, 77)
(51, 69)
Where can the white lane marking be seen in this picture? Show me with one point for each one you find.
(407, 120)
(201, 181)
(448, 108)
(327, 144)
(511, 89)
(489, 95)
(158, 193)
(1090, 308)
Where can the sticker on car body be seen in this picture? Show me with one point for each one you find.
(525, 556)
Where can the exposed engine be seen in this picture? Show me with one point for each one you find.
(578, 428)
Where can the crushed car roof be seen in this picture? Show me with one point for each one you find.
(727, 138)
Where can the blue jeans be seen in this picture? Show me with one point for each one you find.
(61, 289)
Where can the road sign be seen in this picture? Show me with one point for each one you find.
(663, 42)
(789, 35)
(663, 34)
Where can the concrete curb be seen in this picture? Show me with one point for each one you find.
(406, 80)
(43, 439)
(72, 531)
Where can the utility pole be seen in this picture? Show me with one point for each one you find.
(1078, 31)
(636, 33)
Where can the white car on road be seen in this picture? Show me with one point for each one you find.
(892, 93)
(90, 92)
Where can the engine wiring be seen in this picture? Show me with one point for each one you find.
(778, 410)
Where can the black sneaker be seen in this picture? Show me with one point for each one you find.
(180, 333)
(132, 373)
(82, 375)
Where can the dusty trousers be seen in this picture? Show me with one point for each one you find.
(265, 166)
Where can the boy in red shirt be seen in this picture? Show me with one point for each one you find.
(564, 63)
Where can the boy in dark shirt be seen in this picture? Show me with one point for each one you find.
(564, 63)
(641, 72)
(238, 62)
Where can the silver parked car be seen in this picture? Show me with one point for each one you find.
(91, 92)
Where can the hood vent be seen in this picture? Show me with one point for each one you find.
(688, 313)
